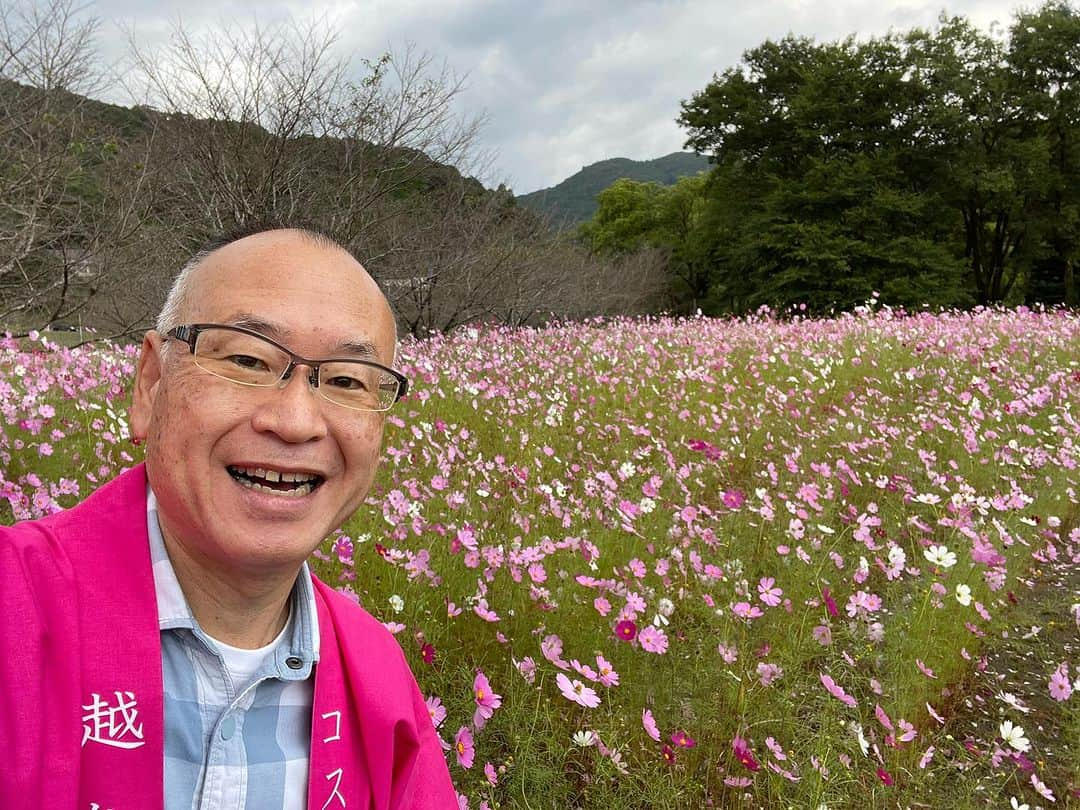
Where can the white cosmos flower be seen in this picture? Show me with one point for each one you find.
(963, 594)
(584, 738)
(397, 603)
(1014, 736)
(1016, 805)
(864, 745)
(940, 555)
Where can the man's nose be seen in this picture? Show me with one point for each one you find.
(293, 410)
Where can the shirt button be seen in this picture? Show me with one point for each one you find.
(228, 728)
(292, 662)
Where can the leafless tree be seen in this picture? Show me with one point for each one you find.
(68, 193)
(269, 123)
(479, 257)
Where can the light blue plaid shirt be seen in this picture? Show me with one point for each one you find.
(224, 749)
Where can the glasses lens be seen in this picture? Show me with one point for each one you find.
(238, 357)
(358, 385)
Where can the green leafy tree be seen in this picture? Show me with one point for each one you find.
(633, 216)
(811, 143)
(1044, 55)
(935, 167)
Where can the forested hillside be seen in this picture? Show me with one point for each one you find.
(101, 204)
(574, 199)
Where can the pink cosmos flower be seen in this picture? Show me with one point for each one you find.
(934, 714)
(729, 654)
(775, 747)
(862, 603)
(489, 774)
(653, 640)
(837, 691)
(551, 647)
(1042, 789)
(436, 710)
(924, 669)
(1060, 688)
(768, 592)
(527, 667)
(822, 635)
(907, 731)
(607, 675)
(486, 700)
(602, 605)
(482, 610)
(463, 747)
(583, 669)
(744, 610)
(626, 630)
(883, 718)
(768, 673)
(649, 723)
(577, 692)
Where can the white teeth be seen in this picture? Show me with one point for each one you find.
(297, 492)
(303, 483)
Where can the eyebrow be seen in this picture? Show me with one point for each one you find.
(362, 348)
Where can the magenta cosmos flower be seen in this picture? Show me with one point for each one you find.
(486, 700)
(578, 692)
(680, 739)
(626, 630)
(744, 754)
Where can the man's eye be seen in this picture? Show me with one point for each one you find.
(347, 383)
(247, 361)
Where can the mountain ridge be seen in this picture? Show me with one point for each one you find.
(573, 200)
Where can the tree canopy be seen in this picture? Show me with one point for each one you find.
(936, 168)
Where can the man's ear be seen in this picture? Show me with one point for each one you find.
(147, 378)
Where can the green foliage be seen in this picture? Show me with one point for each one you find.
(633, 215)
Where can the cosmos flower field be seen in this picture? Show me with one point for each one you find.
(765, 562)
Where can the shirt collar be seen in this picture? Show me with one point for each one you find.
(175, 613)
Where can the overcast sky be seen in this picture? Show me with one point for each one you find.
(563, 83)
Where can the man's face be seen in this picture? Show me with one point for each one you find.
(201, 430)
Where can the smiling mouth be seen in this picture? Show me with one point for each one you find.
(289, 484)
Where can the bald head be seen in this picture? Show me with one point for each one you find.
(273, 244)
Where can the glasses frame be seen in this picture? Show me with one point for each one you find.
(189, 334)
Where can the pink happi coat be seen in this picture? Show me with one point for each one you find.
(81, 717)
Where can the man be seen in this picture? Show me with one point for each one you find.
(164, 639)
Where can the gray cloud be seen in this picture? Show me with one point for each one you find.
(565, 83)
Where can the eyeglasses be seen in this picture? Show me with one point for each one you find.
(245, 357)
